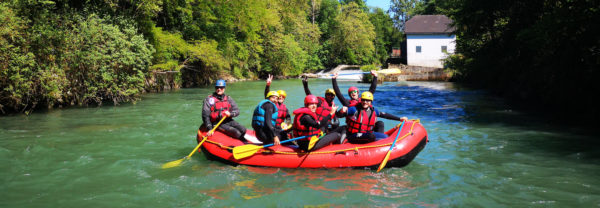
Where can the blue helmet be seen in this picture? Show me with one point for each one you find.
(220, 83)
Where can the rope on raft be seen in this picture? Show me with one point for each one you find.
(324, 152)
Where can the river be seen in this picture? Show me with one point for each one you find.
(481, 153)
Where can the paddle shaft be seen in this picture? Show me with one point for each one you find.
(205, 137)
(387, 156)
(289, 140)
(248, 150)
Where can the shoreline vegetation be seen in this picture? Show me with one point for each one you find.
(58, 53)
(543, 55)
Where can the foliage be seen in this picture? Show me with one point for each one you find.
(67, 52)
(386, 35)
(17, 64)
(367, 78)
(544, 52)
(352, 37)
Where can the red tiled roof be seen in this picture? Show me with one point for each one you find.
(429, 24)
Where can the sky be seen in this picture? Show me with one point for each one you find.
(384, 4)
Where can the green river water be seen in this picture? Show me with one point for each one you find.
(481, 154)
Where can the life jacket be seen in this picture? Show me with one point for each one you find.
(217, 107)
(282, 113)
(361, 121)
(258, 117)
(302, 130)
(354, 102)
(323, 108)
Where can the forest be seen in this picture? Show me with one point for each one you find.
(73, 52)
(64, 52)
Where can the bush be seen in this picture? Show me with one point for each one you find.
(367, 78)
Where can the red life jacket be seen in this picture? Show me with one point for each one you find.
(302, 130)
(217, 107)
(323, 108)
(354, 102)
(281, 114)
(361, 122)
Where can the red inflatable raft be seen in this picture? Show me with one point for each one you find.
(411, 140)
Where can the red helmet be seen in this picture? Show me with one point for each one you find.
(352, 89)
(310, 99)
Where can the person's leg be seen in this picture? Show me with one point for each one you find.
(360, 138)
(379, 127)
(326, 140)
(229, 129)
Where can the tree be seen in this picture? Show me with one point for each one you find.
(386, 35)
(402, 11)
(352, 37)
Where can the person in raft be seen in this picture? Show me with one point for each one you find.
(264, 117)
(324, 105)
(306, 123)
(361, 121)
(218, 105)
(284, 119)
(352, 91)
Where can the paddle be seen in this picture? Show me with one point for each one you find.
(248, 150)
(313, 141)
(177, 162)
(387, 156)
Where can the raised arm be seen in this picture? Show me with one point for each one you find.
(373, 83)
(305, 84)
(337, 90)
(268, 86)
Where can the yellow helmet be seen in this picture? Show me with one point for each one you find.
(272, 93)
(282, 93)
(330, 91)
(367, 96)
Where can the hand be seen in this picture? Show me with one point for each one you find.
(269, 79)
(344, 109)
(404, 119)
(335, 75)
(226, 113)
(333, 108)
(276, 141)
(374, 73)
(304, 79)
(210, 133)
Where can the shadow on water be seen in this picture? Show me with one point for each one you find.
(467, 110)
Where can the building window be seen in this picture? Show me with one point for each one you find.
(418, 49)
(444, 49)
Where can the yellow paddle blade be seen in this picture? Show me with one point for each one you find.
(389, 71)
(313, 140)
(382, 165)
(244, 151)
(173, 163)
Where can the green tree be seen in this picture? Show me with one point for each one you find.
(539, 52)
(17, 64)
(352, 37)
(403, 10)
(386, 35)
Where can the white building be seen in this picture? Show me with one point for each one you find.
(429, 39)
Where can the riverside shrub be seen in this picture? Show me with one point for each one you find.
(70, 60)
